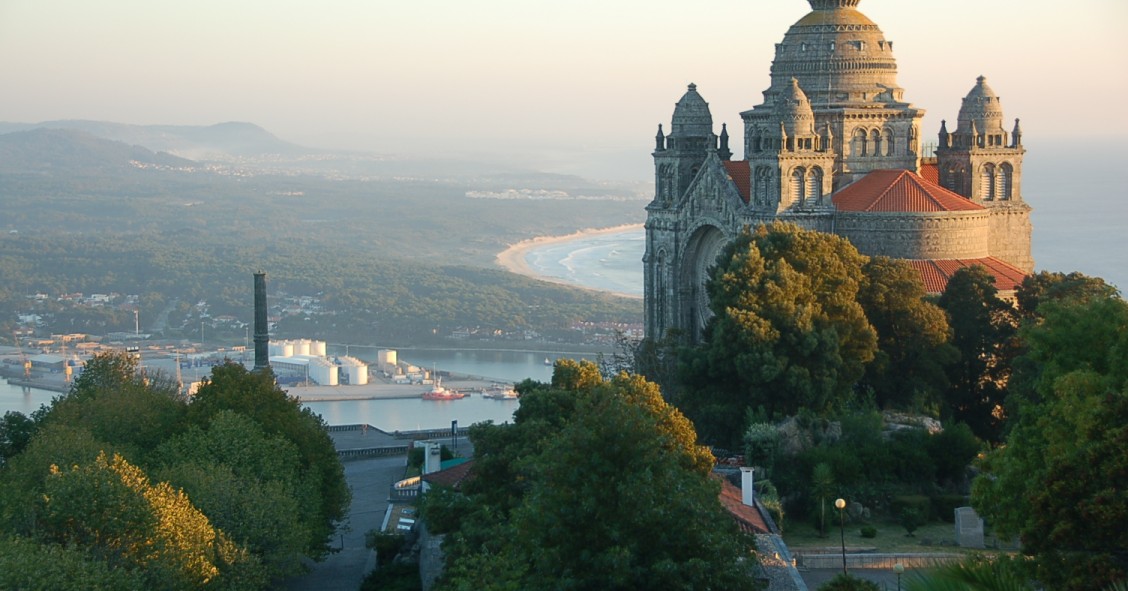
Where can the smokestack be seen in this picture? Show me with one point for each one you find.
(747, 494)
(262, 333)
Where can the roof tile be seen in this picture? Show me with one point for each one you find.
(741, 175)
(936, 273)
(899, 191)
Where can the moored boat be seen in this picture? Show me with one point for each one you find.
(438, 392)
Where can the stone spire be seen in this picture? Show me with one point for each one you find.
(659, 140)
(724, 152)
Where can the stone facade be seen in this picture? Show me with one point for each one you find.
(823, 150)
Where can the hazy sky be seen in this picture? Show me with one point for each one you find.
(526, 75)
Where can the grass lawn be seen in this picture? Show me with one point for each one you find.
(932, 537)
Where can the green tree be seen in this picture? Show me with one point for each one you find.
(116, 403)
(1050, 286)
(908, 369)
(31, 566)
(1061, 481)
(983, 330)
(111, 509)
(822, 484)
(588, 500)
(787, 331)
(324, 492)
(16, 430)
(248, 484)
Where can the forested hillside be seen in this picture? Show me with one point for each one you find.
(387, 255)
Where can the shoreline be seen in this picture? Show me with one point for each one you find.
(512, 259)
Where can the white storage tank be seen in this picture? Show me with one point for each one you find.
(301, 347)
(323, 372)
(317, 348)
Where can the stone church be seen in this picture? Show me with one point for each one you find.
(835, 147)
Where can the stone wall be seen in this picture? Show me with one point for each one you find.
(947, 235)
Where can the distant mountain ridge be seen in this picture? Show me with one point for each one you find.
(42, 149)
(222, 141)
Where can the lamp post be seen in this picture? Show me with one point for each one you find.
(840, 504)
(899, 569)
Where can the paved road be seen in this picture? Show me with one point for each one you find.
(369, 480)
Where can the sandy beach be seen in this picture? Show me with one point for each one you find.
(512, 259)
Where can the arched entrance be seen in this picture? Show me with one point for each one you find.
(699, 257)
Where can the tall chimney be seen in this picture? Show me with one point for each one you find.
(747, 494)
(262, 333)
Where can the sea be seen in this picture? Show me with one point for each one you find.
(1080, 223)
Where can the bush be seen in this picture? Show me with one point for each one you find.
(869, 531)
(910, 519)
(845, 582)
(387, 546)
(919, 503)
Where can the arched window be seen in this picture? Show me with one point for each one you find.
(858, 146)
(987, 183)
(1006, 181)
(797, 185)
(763, 185)
(814, 186)
(887, 141)
(875, 140)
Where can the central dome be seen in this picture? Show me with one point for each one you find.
(840, 58)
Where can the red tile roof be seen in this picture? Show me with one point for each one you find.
(936, 273)
(451, 477)
(898, 191)
(747, 518)
(930, 171)
(741, 175)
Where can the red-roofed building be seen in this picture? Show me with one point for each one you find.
(836, 147)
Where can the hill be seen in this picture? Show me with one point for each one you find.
(45, 150)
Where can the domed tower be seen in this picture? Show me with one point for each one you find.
(844, 64)
(790, 165)
(678, 158)
(679, 155)
(983, 162)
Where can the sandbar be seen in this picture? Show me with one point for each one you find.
(512, 259)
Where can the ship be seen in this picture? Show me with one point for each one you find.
(438, 392)
(500, 392)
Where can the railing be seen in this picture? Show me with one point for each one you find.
(874, 560)
(394, 450)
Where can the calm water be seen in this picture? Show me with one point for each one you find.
(400, 414)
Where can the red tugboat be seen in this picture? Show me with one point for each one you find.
(440, 393)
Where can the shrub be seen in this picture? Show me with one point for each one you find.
(919, 503)
(910, 519)
(846, 582)
(869, 531)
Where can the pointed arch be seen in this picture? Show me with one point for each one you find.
(875, 143)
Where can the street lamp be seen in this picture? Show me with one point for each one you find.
(900, 570)
(840, 504)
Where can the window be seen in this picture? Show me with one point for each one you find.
(814, 186)
(987, 183)
(1006, 181)
(797, 186)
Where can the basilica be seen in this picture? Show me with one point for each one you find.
(835, 147)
